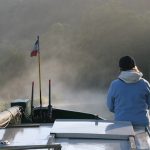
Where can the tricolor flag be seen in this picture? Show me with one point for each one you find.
(36, 48)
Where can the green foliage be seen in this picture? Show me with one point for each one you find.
(12, 65)
(107, 33)
(89, 52)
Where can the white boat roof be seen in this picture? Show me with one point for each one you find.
(92, 129)
(41, 137)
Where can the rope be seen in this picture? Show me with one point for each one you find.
(12, 119)
(6, 122)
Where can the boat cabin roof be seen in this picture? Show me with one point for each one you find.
(72, 135)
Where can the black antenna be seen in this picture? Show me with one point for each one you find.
(50, 106)
(49, 93)
(32, 97)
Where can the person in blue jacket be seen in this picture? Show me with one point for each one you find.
(129, 95)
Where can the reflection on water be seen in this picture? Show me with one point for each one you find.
(90, 102)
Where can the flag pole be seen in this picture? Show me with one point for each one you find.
(39, 72)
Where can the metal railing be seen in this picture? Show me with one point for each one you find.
(49, 147)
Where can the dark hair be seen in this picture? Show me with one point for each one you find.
(126, 63)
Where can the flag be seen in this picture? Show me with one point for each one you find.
(36, 48)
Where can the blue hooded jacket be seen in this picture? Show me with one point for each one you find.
(129, 98)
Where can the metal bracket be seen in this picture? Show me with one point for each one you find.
(132, 142)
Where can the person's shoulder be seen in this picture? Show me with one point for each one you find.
(145, 82)
(116, 81)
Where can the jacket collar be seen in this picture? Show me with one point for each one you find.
(130, 76)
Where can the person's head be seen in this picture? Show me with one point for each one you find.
(127, 63)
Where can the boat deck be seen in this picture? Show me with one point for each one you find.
(45, 136)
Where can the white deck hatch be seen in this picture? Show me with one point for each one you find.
(92, 129)
(27, 137)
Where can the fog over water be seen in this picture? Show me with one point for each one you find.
(81, 42)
